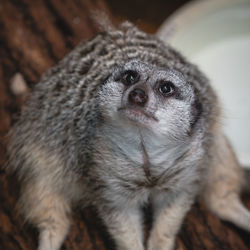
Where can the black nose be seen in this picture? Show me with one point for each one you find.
(138, 97)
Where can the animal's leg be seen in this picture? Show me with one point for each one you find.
(49, 212)
(125, 226)
(168, 217)
(223, 185)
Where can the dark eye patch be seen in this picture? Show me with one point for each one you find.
(196, 111)
(166, 88)
(129, 77)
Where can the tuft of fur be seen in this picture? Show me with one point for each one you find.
(73, 146)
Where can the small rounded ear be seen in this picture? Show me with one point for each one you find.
(103, 21)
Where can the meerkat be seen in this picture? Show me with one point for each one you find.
(123, 121)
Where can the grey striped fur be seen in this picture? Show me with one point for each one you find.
(71, 147)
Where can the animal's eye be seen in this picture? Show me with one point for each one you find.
(166, 88)
(130, 77)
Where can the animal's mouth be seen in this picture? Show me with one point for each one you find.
(138, 115)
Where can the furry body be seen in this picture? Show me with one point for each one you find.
(83, 139)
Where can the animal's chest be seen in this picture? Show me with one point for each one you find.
(133, 167)
(141, 162)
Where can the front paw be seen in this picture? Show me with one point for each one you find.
(163, 242)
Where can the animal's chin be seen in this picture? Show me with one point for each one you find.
(138, 116)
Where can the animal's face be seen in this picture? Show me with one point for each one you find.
(143, 95)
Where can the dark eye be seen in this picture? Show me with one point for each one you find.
(130, 77)
(166, 88)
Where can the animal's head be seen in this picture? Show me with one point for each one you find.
(139, 81)
(150, 96)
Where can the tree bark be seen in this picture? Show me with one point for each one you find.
(35, 35)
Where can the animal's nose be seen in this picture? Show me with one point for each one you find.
(138, 97)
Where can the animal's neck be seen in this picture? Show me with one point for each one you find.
(143, 146)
